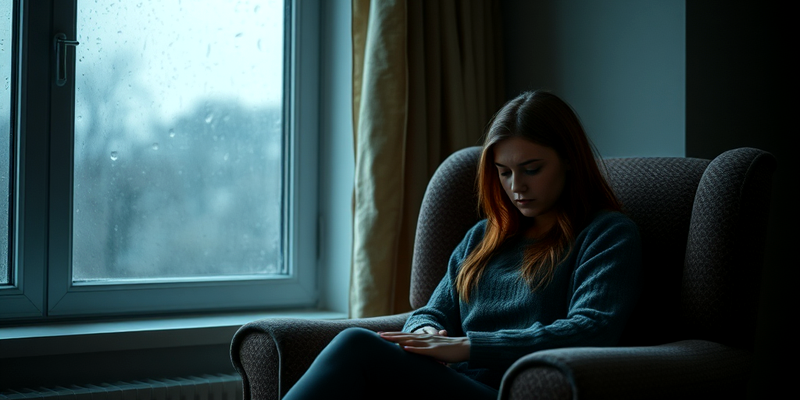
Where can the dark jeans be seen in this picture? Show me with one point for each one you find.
(359, 364)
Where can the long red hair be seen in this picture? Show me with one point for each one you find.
(545, 119)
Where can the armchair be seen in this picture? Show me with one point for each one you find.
(703, 229)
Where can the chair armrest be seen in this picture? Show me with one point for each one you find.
(685, 369)
(272, 354)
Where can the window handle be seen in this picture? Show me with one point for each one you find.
(61, 44)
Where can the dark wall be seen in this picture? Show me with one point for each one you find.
(739, 93)
(619, 63)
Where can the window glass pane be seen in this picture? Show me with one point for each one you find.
(178, 139)
(6, 48)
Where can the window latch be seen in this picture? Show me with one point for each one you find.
(61, 44)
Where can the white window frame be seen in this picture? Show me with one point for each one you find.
(42, 288)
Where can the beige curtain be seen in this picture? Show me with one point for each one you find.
(427, 77)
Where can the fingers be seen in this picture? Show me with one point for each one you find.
(425, 351)
(419, 340)
(399, 334)
(409, 334)
(415, 340)
(398, 337)
(440, 347)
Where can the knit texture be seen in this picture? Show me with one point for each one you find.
(586, 304)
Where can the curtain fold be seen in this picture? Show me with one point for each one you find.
(427, 77)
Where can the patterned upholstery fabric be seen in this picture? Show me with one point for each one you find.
(678, 370)
(543, 382)
(657, 194)
(272, 354)
(449, 209)
(725, 250)
(703, 228)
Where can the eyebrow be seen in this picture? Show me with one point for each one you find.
(520, 164)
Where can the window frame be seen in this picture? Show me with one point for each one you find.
(42, 287)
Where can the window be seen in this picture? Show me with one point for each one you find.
(5, 128)
(178, 137)
(165, 156)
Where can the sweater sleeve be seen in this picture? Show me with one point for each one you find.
(604, 288)
(442, 310)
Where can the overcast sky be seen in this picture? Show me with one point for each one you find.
(182, 52)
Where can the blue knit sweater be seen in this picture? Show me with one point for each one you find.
(586, 304)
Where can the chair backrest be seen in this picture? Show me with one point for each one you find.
(449, 209)
(703, 229)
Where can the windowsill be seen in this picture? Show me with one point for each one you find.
(135, 334)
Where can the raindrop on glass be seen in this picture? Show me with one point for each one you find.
(114, 156)
(155, 146)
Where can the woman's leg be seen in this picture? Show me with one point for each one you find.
(359, 364)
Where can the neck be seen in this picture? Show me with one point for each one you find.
(537, 227)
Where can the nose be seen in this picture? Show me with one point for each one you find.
(517, 185)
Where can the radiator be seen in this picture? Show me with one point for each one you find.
(205, 387)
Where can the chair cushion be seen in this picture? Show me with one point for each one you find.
(657, 193)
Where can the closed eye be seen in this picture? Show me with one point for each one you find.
(503, 170)
(532, 171)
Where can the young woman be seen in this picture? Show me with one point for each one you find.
(554, 264)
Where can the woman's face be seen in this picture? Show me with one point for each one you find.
(532, 176)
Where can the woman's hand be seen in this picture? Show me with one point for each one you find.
(431, 343)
